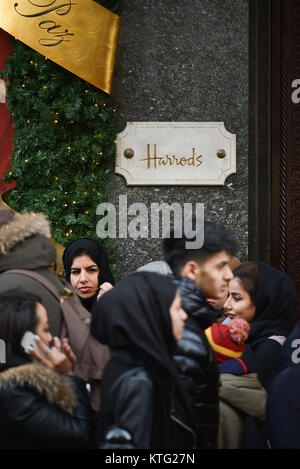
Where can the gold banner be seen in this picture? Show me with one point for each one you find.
(79, 35)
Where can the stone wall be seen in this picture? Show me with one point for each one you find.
(184, 60)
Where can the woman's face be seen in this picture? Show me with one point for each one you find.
(239, 303)
(84, 276)
(42, 329)
(178, 316)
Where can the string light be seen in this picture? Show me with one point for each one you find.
(65, 148)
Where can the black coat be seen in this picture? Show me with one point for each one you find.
(197, 364)
(283, 409)
(133, 319)
(132, 401)
(41, 409)
(290, 353)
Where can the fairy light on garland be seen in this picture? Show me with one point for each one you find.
(64, 175)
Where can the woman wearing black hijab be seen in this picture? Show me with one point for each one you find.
(266, 298)
(141, 390)
(87, 268)
(272, 300)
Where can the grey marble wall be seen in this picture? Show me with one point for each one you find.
(184, 60)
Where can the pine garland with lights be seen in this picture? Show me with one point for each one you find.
(64, 143)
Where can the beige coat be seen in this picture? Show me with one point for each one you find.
(239, 396)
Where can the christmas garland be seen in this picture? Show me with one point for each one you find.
(64, 143)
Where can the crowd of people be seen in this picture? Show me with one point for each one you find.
(196, 351)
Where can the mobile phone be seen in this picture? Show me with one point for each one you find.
(28, 340)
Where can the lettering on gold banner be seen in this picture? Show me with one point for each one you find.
(57, 33)
(171, 160)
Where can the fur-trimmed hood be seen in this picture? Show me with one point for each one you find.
(25, 243)
(21, 227)
(43, 381)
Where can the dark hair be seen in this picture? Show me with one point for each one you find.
(216, 239)
(248, 274)
(17, 315)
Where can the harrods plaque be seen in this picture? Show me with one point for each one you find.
(175, 153)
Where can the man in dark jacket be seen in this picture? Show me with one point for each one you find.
(200, 274)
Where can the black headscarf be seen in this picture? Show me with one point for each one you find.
(276, 301)
(135, 315)
(98, 253)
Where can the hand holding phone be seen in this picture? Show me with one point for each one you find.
(61, 361)
(29, 343)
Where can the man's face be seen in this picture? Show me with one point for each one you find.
(213, 276)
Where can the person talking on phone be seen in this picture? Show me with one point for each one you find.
(42, 404)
